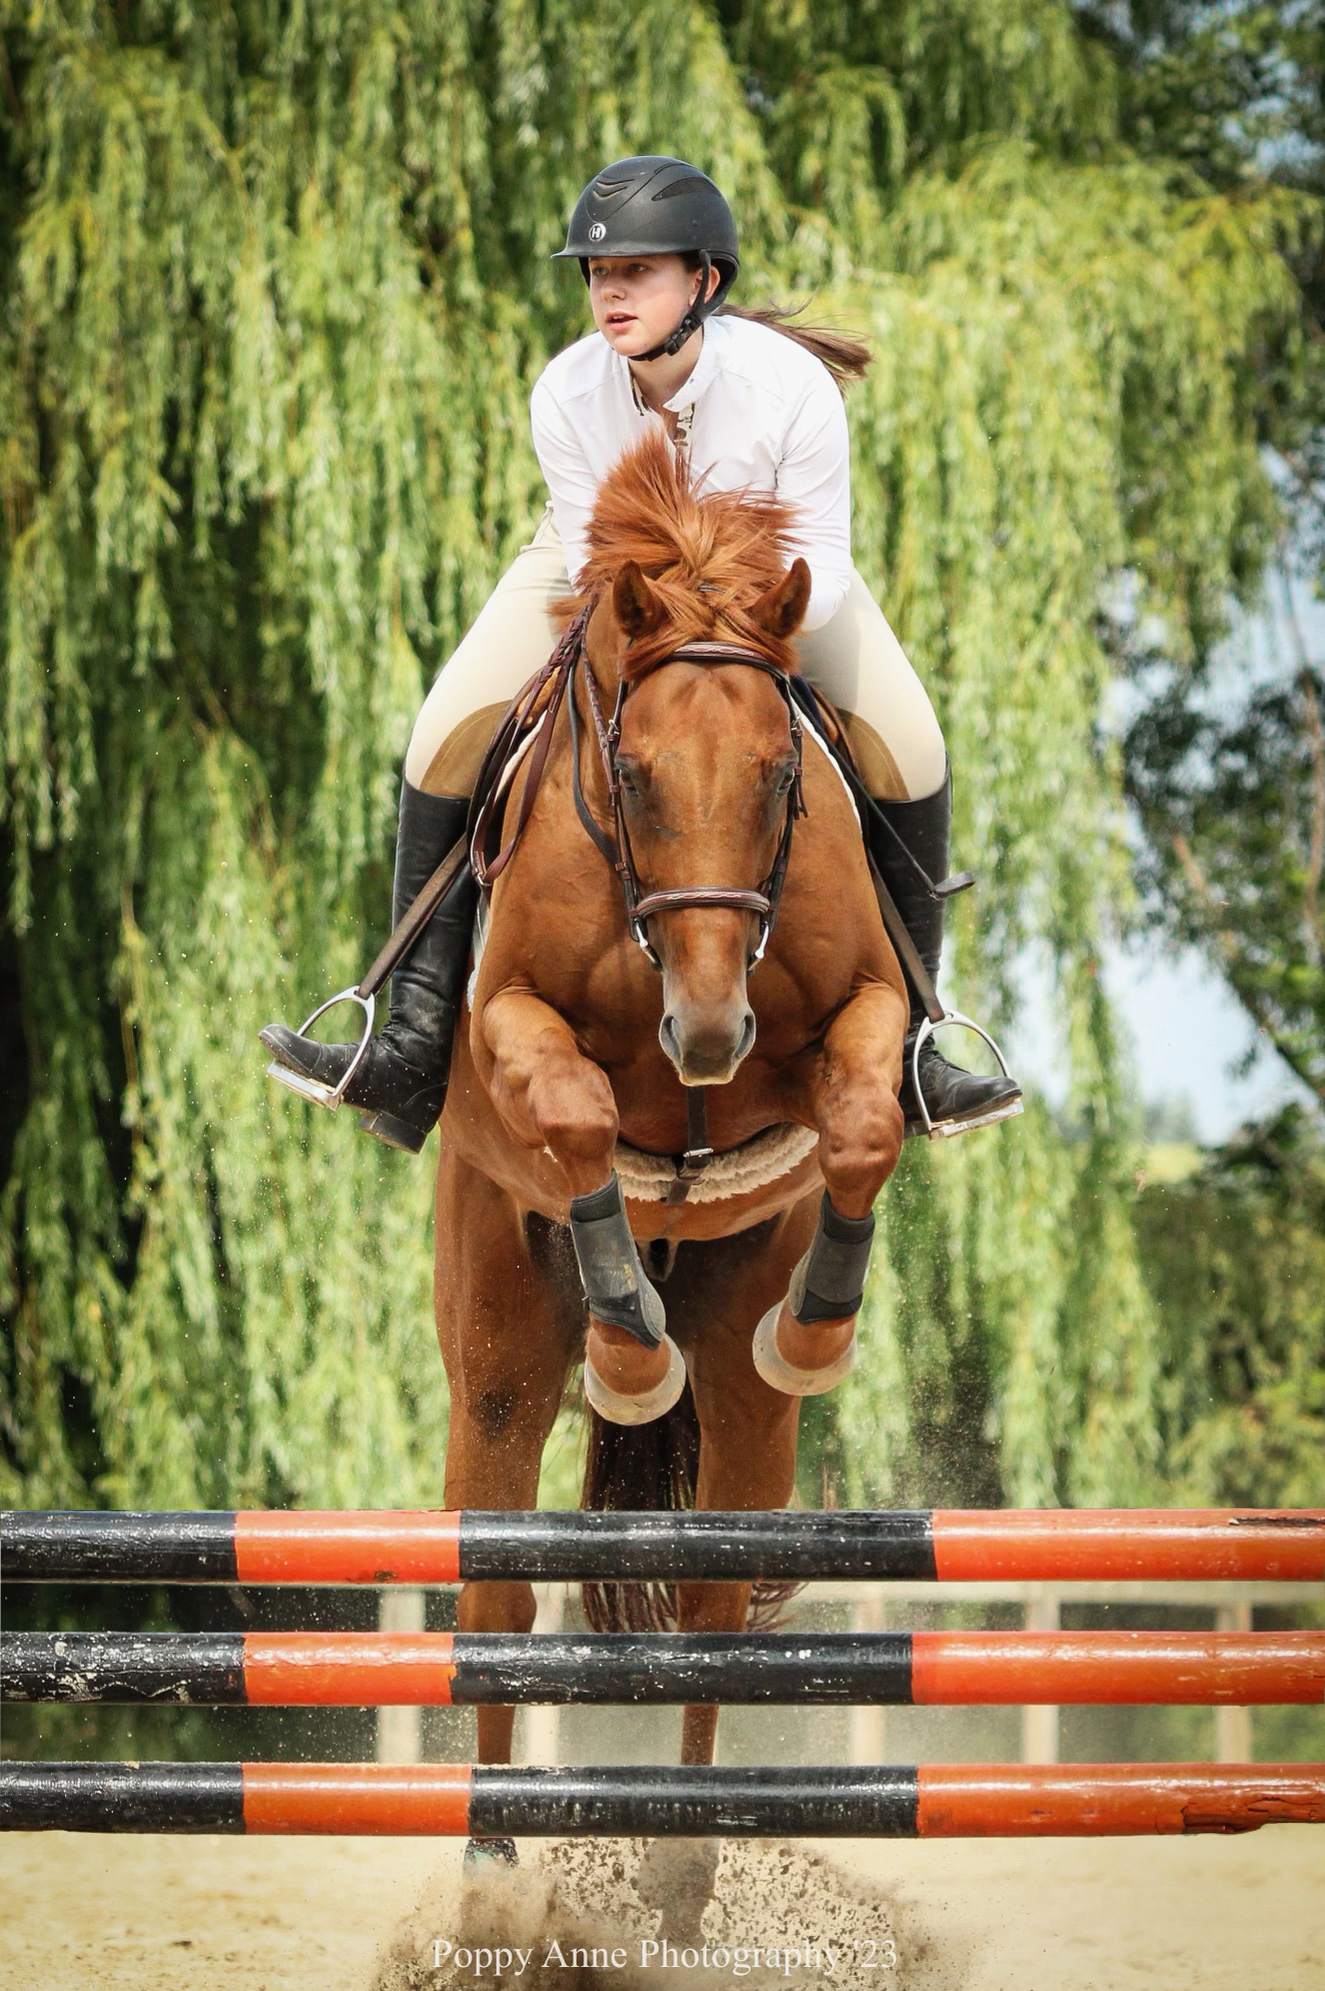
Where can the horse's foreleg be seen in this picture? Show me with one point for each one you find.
(855, 1098)
(555, 1098)
(807, 1346)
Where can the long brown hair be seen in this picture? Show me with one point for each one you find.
(846, 358)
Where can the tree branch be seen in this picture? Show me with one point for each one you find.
(1311, 710)
(1316, 847)
(11, 96)
(1240, 980)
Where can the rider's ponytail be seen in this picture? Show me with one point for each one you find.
(846, 358)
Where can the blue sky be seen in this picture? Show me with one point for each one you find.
(1187, 1035)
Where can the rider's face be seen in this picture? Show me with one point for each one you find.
(639, 300)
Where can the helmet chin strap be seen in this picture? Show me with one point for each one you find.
(690, 324)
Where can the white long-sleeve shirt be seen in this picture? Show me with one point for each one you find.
(767, 417)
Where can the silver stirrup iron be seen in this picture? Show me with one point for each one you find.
(947, 1128)
(317, 1089)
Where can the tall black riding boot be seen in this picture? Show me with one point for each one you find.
(954, 1099)
(401, 1084)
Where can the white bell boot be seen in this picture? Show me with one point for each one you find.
(779, 1374)
(649, 1404)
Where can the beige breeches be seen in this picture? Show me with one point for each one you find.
(854, 660)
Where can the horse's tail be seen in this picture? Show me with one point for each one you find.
(640, 1465)
(652, 1465)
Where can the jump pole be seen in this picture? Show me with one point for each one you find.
(943, 1801)
(444, 1669)
(435, 1546)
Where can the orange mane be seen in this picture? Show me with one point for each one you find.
(710, 557)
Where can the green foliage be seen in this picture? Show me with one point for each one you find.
(1235, 1257)
(1216, 86)
(270, 327)
(275, 289)
(1235, 814)
(1230, 794)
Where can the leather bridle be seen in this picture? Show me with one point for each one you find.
(614, 844)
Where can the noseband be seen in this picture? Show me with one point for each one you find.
(615, 844)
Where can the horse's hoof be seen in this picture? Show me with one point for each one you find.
(619, 1408)
(488, 1855)
(779, 1374)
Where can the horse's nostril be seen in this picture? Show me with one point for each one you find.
(706, 1051)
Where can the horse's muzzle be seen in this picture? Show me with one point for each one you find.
(707, 1045)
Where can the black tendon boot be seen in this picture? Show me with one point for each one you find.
(401, 1083)
(954, 1099)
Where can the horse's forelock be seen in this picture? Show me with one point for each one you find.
(709, 557)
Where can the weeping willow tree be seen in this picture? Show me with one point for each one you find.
(275, 289)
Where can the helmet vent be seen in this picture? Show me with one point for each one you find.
(679, 187)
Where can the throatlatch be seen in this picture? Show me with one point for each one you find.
(615, 1283)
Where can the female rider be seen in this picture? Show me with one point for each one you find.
(753, 406)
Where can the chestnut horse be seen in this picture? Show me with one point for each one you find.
(575, 1052)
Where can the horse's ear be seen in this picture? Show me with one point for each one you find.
(782, 610)
(636, 606)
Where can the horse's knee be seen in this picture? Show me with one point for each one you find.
(574, 1110)
(858, 1154)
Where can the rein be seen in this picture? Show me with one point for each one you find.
(614, 845)
(532, 717)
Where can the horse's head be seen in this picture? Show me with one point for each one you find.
(707, 760)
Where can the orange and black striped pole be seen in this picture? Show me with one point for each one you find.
(945, 1801)
(433, 1546)
(443, 1669)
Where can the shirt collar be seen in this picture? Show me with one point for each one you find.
(703, 371)
(701, 374)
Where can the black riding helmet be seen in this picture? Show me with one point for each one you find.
(651, 206)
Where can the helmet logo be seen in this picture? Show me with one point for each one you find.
(598, 231)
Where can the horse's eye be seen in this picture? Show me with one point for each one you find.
(786, 776)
